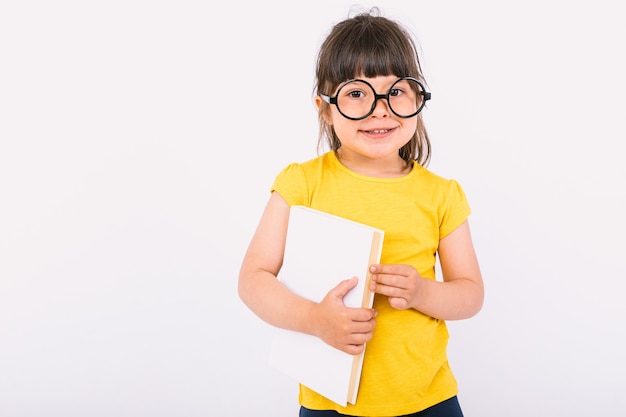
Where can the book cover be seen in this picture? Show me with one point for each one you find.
(321, 251)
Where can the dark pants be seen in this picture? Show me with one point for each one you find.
(447, 408)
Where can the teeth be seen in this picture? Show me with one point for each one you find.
(380, 131)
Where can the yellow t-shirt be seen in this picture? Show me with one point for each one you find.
(405, 367)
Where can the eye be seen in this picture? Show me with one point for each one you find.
(355, 90)
(394, 92)
(355, 94)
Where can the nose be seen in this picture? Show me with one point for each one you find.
(381, 106)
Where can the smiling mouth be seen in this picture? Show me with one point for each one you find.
(378, 131)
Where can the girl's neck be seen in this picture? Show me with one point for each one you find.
(381, 168)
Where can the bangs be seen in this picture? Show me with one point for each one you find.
(373, 52)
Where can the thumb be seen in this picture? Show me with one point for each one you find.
(343, 288)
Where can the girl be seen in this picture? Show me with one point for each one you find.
(369, 93)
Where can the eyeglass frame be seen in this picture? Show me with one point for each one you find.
(333, 100)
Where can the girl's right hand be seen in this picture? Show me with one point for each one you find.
(344, 328)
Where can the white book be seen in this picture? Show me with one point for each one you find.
(321, 251)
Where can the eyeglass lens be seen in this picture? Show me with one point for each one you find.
(357, 98)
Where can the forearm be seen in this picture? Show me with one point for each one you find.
(347, 329)
(460, 295)
(271, 301)
(259, 288)
(453, 300)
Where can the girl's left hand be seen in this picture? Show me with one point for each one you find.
(401, 283)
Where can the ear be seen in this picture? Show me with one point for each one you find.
(323, 110)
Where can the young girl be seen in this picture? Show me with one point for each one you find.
(370, 91)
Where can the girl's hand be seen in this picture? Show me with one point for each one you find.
(400, 283)
(344, 328)
(458, 296)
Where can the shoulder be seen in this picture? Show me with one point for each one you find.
(447, 195)
(293, 182)
(307, 168)
(438, 183)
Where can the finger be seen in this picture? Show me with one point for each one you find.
(362, 314)
(389, 290)
(343, 288)
(390, 281)
(360, 338)
(365, 327)
(398, 303)
(392, 269)
(353, 349)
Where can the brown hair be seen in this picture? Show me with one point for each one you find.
(370, 45)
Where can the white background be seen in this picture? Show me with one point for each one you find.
(138, 141)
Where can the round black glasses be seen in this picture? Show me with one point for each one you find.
(356, 99)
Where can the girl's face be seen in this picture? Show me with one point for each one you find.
(370, 146)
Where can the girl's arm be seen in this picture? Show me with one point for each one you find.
(459, 296)
(345, 328)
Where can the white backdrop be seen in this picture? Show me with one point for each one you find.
(138, 141)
